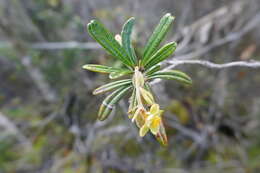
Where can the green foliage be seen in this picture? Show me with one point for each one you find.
(112, 85)
(160, 55)
(101, 68)
(109, 102)
(54, 146)
(114, 72)
(126, 40)
(157, 36)
(172, 75)
(106, 39)
(140, 71)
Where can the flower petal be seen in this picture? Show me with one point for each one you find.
(143, 113)
(131, 112)
(154, 109)
(141, 118)
(160, 112)
(136, 114)
(144, 129)
(155, 125)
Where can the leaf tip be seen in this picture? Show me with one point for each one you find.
(92, 21)
(131, 19)
(169, 15)
(86, 67)
(95, 92)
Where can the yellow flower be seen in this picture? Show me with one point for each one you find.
(152, 121)
(139, 116)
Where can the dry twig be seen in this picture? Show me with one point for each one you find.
(208, 64)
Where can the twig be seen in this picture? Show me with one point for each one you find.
(250, 64)
(11, 128)
(65, 45)
(38, 78)
(185, 131)
(233, 36)
(91, 45)
(56, 45)
(208, 64)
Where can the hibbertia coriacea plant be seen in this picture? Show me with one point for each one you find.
(136, 74)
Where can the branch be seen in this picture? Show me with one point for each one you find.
(250, 64)
(8, 127)
(38, 78)
(56, 45)
(231, 37)
(65, 45)
(208, 64)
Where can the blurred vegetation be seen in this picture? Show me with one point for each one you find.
(63, 135)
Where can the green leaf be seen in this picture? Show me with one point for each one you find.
(153, 69)
(172, 75)
(118, 74)
(107, 40)
(112, 85)
(102, 68)
(109, 102)
(106, 108)
(126, 39)
(169, 77)
(161, 55)
(157, 36)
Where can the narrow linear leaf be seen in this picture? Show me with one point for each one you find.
(102, 68)
(120, 95)
(157, 36)
(174, 73)
(112, 85)
(109, 102)
(105, 109)
(161, 54)
(147, 87)
(126, 40)
(107, 40)
(153, 69)
(171, 77)
(118, 74)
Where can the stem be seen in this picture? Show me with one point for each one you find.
(138, 76)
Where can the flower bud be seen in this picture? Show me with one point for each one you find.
(147, 96)
(118, 38)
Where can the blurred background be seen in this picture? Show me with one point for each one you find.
(48, 113)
